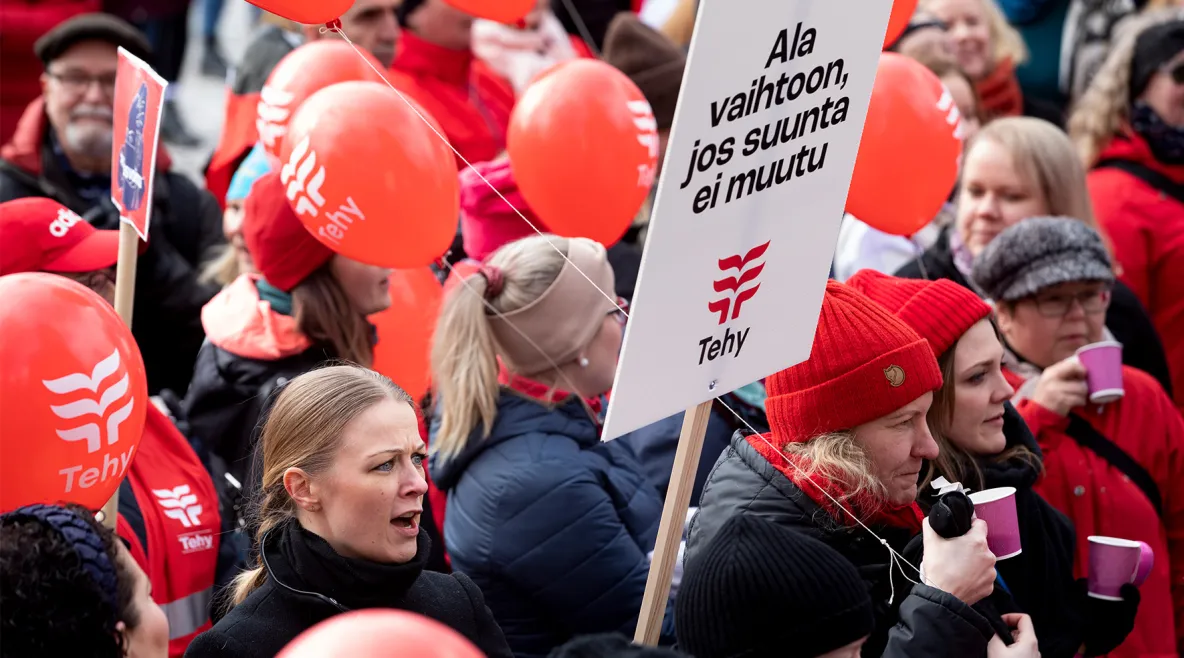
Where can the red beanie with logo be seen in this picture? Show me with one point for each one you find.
(283, 251)
(941, 311)
(864, 365)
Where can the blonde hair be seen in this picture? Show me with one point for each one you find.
(464, 354)
(681, 24)
(1104, 106)
(837, 457)
(1043, 154)
(324, 314)
(303, 430)
(222, 270)
(1006, 41)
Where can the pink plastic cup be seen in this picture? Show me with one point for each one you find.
(1115, 562)
(1103, 371)
(997, 508)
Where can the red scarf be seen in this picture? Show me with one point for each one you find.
(1000, 92)
(817, 487)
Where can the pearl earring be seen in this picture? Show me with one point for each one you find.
(583, 362)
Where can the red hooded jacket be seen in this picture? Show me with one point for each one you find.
(1100, 500)
(1147, 229)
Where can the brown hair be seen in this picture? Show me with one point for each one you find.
(303, 431)
(324, 314)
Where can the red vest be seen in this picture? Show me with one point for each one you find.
(181, 522)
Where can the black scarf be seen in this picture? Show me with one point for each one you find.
(303, 562)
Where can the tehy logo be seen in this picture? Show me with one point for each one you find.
(304, 191)
(95, 405)
(273, 113)
(65, 221)
(953, 116)
(647, 136)
(745, 273)
(894, 375)
(178, 503)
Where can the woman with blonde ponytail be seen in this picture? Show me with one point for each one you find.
(338, 518)
(553, 525)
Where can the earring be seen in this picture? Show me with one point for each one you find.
(583, 362)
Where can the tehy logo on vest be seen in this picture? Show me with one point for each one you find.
(192, 542)
(93, 406)
(304, 178)
(894, 375)
(647, 136)
(738, 272)
(66, 220)
(131, 154)
(178, 503)
(273, 114)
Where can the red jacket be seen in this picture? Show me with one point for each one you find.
(1147, 229)
(471, 102)
(22, 22)
(178, 517)
(1100, 500)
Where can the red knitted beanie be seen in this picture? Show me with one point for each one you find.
(864, 365)
(941, 311)
(283, 251)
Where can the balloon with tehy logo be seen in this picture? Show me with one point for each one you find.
(902, 13)
(301, 73)
(369, 174)
(379, 633)
(583, 146)
(73, 394)
(908, 155)
(405, 329)
(502, 11)
(309, 12)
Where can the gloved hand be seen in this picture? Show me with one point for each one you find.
(1107, 623)
(952, 515)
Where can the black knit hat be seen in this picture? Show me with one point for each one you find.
(406, 9)
(759, 589)
(610, 645)
(92, 27)
(1154, 47)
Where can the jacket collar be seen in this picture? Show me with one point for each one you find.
(1130, 146)
(421, 58)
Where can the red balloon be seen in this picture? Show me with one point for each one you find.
(502, 11)
(379, 633)
(309, 12)
(908, 155)
(405, 329)
(583, 146)
(300, 74)
(902, 13)
(369, 176)
(73, 392)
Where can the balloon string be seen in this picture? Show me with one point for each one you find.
(612, 298)
(585, 33)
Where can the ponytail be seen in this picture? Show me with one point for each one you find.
(275, 509)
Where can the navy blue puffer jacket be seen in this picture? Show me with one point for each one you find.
(554, 526)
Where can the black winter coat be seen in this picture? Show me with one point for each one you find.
(915, 621)
(185, 232)
(1126, 318)
(1040, 580)
(307, 583)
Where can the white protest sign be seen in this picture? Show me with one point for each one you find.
(749, 202)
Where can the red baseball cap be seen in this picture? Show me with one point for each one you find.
(41, 235)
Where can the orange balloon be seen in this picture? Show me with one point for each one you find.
(72, 390)
(309, 12)
(583, 146)
(379, 633)
(405, 329)
(300, 74)
(902, 13)
(908, 155)
(369, 178)
(502, 11)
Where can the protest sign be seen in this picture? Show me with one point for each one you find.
(749, 201)
(139, 102)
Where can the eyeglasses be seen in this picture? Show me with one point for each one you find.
(621, 313)
(78, 82)
(1058, 306)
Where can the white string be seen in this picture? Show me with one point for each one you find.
(585, 33)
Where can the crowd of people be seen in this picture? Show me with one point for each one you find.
(829, 513)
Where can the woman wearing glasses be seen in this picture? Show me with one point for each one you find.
(1115, 469)
(1129, 128)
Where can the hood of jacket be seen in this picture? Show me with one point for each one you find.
(241, 323)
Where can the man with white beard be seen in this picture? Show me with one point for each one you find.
(62, 150)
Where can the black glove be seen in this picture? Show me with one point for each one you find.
(952, 515)
(1107, 623)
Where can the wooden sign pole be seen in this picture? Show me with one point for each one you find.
(674, 515)
(125, 295)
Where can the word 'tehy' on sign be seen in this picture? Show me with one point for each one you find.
(711, 348)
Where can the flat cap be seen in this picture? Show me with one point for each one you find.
(92, 27)
(1039, 253)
